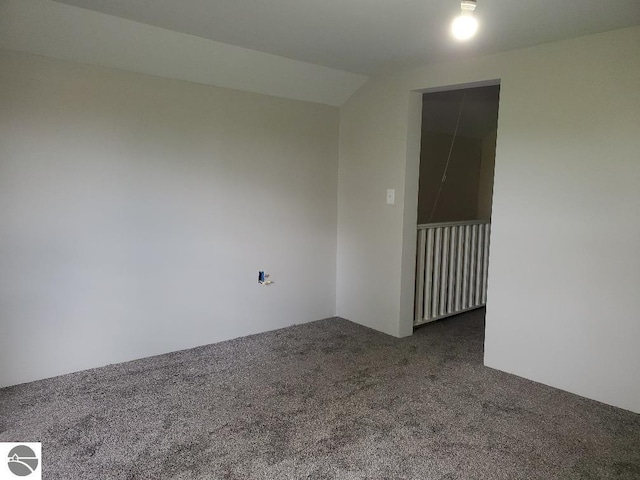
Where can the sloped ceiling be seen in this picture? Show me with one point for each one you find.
(62, 31)
(317, 51)
(367, 36)
(477, 108)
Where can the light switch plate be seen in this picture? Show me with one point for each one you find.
(391, 196)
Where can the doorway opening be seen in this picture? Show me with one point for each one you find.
(457, 158)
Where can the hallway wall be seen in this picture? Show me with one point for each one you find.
(459, 195)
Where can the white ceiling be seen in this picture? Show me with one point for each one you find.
(52, 29)
(312, 50)
(367, 36)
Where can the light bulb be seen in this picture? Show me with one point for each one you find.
(464, 27)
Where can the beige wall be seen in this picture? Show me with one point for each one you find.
(459, 195)
(485, 181)
(564, 273)
(136, 212)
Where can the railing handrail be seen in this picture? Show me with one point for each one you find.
(453, 224)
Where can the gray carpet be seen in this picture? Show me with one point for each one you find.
(323, 400)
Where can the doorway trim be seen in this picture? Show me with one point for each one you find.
(411, 182)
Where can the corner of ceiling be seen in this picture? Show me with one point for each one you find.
(57, 30)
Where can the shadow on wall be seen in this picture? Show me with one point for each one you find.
(459, 128)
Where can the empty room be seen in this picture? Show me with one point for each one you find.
(319, 240)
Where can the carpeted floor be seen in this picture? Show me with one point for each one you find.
(323, 400)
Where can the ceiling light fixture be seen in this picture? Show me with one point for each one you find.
(465, 26)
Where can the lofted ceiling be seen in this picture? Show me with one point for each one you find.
(318, 51)
(477, 108)
(366, 36)
(67, 32)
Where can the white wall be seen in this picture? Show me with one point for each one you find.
(372, 133)
(563, 304)
(136, 211)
